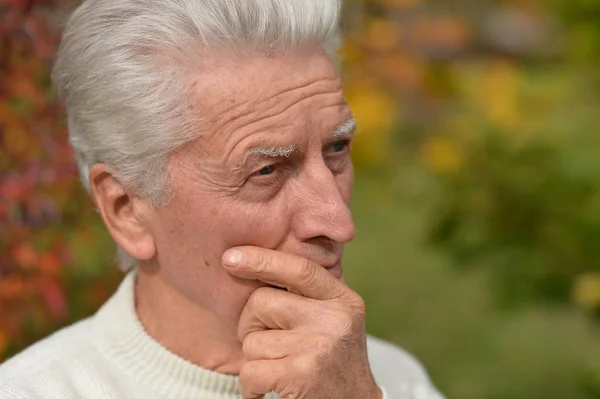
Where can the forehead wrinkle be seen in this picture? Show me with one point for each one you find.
(262, 120)
(245, 119)
(276, 98)
(268, 119)
(273, 103)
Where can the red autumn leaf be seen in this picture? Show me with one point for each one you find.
(25, 256)
(11, 287)
(54, 298)
(49, 263)
(13, 189)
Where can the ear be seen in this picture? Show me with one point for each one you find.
(124, 214)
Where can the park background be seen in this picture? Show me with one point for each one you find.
(477, 199)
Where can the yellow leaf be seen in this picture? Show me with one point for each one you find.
(498, 95)
(382, 35)
(351, 51)
(399, 3)
(375, 111)
(586, 291)
(442, 155)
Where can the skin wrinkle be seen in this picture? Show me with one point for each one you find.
(232, 181)
(250, 133)
(235, 179)
(250, 106)
(249, 125)
(275, 101)
(258, 107)
(225, 116)
(344, 131)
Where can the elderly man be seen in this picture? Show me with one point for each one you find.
(214, 139)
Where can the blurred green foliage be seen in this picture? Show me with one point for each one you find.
(497, 104)
(493, 154)
(524, 198)
(416, 298)
(477, 201)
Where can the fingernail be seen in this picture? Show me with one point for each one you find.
(233, 257)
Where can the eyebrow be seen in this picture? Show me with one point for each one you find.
(268, 152)
(272, 152)
(344, 130)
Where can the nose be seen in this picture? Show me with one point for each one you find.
(323, 209)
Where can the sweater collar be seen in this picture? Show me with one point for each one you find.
(122, 339)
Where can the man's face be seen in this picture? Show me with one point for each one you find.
(271, 168)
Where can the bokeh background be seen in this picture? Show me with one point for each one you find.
(477, 200)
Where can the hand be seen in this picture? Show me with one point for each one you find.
(307, 342)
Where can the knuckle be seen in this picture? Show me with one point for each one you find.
(307, 272)
(260, 262)
(253, 301)
(304, 376)
(246, 375)
(358, 304)
(249, 345)
(258, 299)
(322, 345)
(345, 324)
(354, 302)
(307, 366)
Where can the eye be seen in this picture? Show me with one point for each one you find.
(339, 146)
(267, 170)
(268, 176)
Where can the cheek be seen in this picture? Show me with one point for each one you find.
(204, 229)
(264, 225)
(193, 237)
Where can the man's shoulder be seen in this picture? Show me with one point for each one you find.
(41, 360)
(386, 357)
(399, 372)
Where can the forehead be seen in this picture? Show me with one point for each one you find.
(265, 102)
(237, 90)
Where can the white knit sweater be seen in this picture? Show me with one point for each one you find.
(110, 355)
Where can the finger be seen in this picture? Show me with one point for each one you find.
(278, 344)
(273, 309)
(284, 270)
(261, 377)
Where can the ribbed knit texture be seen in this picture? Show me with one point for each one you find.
(110, 355)
(121, 337)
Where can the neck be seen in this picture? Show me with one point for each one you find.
(192, 332)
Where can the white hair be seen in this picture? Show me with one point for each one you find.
(123, 70)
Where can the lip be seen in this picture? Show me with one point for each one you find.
(335, 269)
